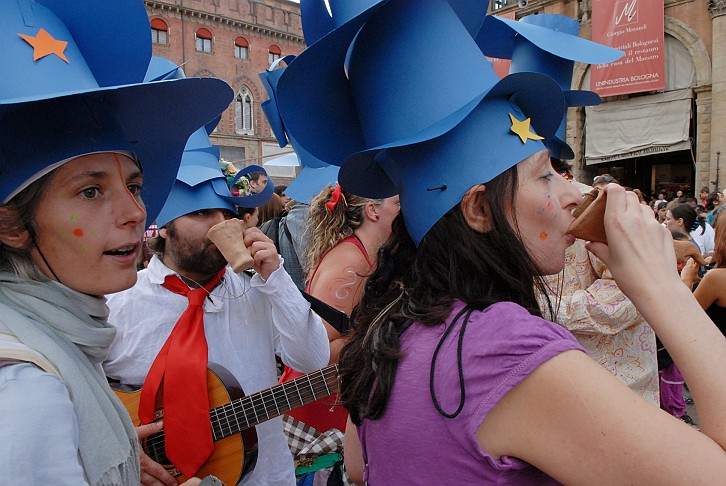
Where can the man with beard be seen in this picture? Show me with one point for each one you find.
(246, 320)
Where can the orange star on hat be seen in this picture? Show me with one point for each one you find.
(44, 44)
(521, 128)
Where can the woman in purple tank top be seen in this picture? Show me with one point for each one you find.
(452, 376)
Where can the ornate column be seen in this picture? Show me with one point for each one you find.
(718, 95)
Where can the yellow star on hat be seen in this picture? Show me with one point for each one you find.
(44, 44)
(521, 128)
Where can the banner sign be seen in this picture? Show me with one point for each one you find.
(636, 28)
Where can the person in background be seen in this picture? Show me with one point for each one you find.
(90, 128)
(280, 191)
(603, 179)
(589, 303)
(662, 196)
(272, 209)
(258, 181)
(711, 289)
(249, 216)
(682, 218)
(713, 200)
(661, 209)
(703, 194)
(345, 233)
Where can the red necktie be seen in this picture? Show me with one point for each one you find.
(182, 365)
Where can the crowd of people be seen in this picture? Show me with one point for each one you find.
(421, 267)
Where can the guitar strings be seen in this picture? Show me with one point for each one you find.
(155, 444)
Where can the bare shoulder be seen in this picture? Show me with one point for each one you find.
(713, 285)
(572, 419)
(345, 256)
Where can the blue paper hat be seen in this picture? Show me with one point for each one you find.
(73, 75)
(433, 174)
(315, 173)
(200, 183)
(316, 20)
(547, 44)
(310, 181)
(361, 99)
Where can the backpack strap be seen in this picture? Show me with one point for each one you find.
(12, 351)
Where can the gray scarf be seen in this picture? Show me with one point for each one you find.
(55, 321)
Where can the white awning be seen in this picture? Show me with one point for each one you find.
(638, 126)
(283, 166)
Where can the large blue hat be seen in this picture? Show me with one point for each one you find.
(547, 44)
(315, 174)
(332, 117)
(72, 84)
(200, 184)
(433, 174)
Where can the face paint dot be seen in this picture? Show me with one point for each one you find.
(543, 235)
(78, 232)
(93, 233)
(73, 217)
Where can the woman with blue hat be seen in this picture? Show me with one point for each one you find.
(452, 375)
(87, 157)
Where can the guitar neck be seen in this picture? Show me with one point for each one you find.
(251, 410)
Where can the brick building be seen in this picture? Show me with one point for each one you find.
(695, 73)
(233, 40)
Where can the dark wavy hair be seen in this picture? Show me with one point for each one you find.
(452, 262)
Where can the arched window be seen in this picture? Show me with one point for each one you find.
(159, 32)
(243, 112)
(204, 40)
(241, 48)
(274, 53)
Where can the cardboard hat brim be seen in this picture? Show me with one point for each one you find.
(497, 39)
(310, 181)
(559, 149)
(431, 175)
(132, 117)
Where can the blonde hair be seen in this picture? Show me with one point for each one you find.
(326, 228)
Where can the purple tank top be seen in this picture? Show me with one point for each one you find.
(413, 444)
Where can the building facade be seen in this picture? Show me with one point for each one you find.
(233, 40)
(695, 65)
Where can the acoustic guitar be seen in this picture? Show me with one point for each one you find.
(233, 416)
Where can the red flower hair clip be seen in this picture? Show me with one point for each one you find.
(335, 197)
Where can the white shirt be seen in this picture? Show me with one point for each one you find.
(37, 421)
(247, 321)
(704, 241)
